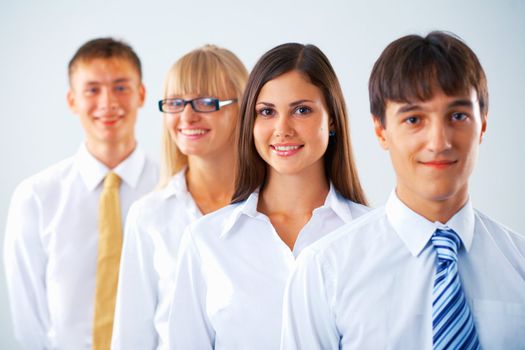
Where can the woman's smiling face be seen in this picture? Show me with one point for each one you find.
(291, 129)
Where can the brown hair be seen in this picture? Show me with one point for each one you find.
(105, 48)
(411, 68)
(206, 71)
(339, 162)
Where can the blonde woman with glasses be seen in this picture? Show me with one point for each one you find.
(201, 100)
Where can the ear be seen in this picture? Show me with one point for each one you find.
(379, 130)
(70, 97)
(331, 125)
(483, 127)
(142, 94)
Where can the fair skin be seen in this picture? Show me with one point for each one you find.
(291, 135)
(433, 146)
(207, 140)
(106, 94)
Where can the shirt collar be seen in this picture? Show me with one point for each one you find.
(333, 201)
(247, 207)
(415, 230)
(340, 205)
(176, 185)
(93, 171)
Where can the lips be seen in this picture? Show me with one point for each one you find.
(108, 121)
(439, 164)
(193, 133)
(285, 150)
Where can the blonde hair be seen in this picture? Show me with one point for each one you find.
(207, 71)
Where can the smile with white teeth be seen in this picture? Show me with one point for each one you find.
(192, 132)
(286, 148)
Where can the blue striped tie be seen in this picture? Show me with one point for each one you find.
(452, 322)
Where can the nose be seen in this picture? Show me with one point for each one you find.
(439, 137)
(283, 127)
(188, 114)
(108, 101)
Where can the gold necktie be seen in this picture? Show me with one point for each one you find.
(108, 261)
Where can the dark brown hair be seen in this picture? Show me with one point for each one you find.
(338, 159)
(105, 48)
(412, 67)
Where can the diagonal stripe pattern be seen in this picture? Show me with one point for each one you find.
(452, 322)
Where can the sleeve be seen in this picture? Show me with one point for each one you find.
(188, 324)
(133, 326)
(308, 321)
(25, 261)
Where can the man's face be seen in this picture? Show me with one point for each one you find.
(433, 146)
(106, 95)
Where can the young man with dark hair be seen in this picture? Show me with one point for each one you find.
(64, 228)
(427, 270)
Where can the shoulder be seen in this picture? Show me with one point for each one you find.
(215, 223)
(500, 233)
(45, 181)
(358, 209)
(148, 176)
(351, 238)
(151, 166)
(164, 205)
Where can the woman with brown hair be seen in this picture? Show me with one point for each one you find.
(200, 108)
(296, 182)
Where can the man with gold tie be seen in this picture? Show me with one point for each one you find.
(64, 228)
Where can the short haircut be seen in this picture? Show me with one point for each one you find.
(207, 71)
(312, 63)
(105, 48)
(412, 67)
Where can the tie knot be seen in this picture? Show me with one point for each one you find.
(112, 180)
(447, 244)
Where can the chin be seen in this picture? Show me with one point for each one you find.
(441, 195)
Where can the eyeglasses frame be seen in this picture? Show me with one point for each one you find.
(218, 104)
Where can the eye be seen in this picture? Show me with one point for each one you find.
(205, 102)
(302, 110)
(121, 88)
(458, 116)
(174, 102)
(91, 90)
(265, 112)
(412, 120)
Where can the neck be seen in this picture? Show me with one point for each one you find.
(112, 154)
(211, 181)
(441, 210)
(292, 194)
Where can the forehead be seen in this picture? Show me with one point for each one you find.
(104, 70)
(292, 85)
(437, 101)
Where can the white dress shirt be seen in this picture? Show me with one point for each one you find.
(154, 228)
(51, 246)
(231, 274)
(369, 285)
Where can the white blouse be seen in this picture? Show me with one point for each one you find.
(153, 231)
(232, 271)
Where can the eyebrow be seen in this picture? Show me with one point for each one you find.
(116, 81)
(292, 104)
(416, 107)
(461, 103)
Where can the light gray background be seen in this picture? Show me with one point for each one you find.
(37, 39)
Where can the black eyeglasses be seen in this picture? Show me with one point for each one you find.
(201, 104)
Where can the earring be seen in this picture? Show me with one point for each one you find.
(331, 133)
